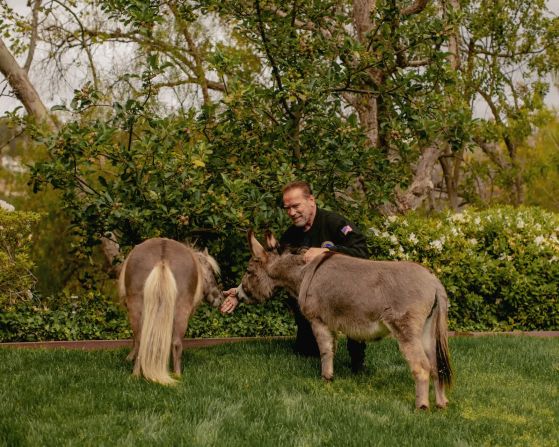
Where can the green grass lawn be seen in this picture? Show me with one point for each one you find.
(261, 394)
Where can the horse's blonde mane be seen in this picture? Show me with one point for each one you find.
(211, 260)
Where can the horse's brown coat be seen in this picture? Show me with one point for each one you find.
(162, 282)
(365, 300)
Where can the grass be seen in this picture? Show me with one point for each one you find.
(261, 394)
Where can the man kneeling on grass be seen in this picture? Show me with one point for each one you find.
(318, 230)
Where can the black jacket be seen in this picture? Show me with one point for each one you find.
(329, 230)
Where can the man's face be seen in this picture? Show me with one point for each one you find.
(299, 208)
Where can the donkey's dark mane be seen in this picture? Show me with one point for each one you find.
(291, 249)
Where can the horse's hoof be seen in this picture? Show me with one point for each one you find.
(423, 407)
(328, 379)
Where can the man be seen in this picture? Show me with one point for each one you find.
(321, 231)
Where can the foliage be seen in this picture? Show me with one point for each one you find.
(16, 278)
(204, 178)
(94, 316)
(500, 266)
(88, 317)
(259, 393)
(541, 168)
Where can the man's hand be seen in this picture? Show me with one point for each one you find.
(230, 302)
(313, 252)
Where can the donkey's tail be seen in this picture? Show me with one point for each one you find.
(441, 336)
(160, 294)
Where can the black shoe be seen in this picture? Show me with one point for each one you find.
(357, 367)
(356, 351)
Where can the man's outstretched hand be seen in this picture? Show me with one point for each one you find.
(230, 302)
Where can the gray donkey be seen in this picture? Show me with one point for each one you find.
(365, 300)
(162, 282)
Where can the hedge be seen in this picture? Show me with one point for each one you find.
(500, 267)
(93, 316)
(16, 279)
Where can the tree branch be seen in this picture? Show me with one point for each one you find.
(275, 70)
(415, 8)
(34, 35)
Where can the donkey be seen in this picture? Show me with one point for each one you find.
(365, 300)
(161, 283)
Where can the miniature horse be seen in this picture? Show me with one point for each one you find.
(161, 283)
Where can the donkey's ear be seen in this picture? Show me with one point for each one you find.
(255, 247)
(206, 252)
(271, 242)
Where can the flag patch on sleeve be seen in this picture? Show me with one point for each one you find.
(347, 229)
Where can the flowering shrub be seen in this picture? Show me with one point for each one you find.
(500, 266)
(15, 243)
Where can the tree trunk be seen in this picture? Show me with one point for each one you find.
(450, 165)
(421, 185)
(22, 87)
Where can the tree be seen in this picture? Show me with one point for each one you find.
(362, 98)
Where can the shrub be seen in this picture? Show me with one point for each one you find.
(16, 278)
(500, 266)
(94, 316)
(90, 316)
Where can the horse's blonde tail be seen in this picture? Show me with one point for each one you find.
(160, 294)
(441, 337)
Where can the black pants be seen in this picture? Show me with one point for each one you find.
(305, 342)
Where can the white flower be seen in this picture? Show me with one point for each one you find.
(385, 235)
(437, 244)
(554, 259)
(477, 220)
(393, 239)
(413, 239)
(539, 240)
(472, 241)
(391, 219)
(520, 223)
(458, 217)
(391, 252)
(375, 231)
(538, 227)
(6, 206)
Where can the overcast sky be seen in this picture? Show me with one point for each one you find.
(552, 98)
